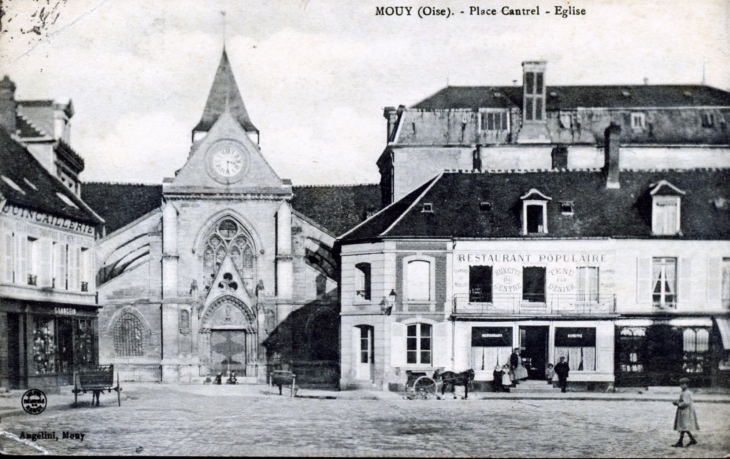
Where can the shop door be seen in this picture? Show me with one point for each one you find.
(228, 351)
(534, 344)
(14, 351)
(366, 354)
(65, 351)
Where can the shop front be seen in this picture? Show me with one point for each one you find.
(586, 345)
(660, 352)
(45, 343)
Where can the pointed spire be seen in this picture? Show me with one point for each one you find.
(224, 96)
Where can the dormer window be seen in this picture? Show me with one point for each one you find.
(638, 121)
(534, 213)
(566, 207)
(485, 206)
(665, 212)
(708, 120)
(427, 208)
(494, 121)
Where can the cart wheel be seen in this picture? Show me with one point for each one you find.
(425, 388)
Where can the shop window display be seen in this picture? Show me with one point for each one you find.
(84, 343)
(578, 346)
(44, 348)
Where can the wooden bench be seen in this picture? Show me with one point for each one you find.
(96, 381)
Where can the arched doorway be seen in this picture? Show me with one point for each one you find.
(230, 340)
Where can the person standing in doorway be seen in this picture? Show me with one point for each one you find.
(514, 362)
(562, 369)
(686, 418)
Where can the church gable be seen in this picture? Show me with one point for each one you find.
(226, 160)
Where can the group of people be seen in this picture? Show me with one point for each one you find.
(509, 375)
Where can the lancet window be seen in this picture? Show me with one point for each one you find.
(228, 238)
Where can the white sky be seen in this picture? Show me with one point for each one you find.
(316, 75)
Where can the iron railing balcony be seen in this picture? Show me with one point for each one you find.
(534, 304)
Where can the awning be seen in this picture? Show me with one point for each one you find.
(724, 325)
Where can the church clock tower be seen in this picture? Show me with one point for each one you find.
(226, 246)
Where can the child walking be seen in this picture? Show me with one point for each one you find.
(686, 417)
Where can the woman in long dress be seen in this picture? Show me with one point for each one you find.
(520, 371)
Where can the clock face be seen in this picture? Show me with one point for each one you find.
(227, 161)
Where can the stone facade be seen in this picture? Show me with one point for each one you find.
(223, 276)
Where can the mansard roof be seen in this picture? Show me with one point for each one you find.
(571, 97)
(598, 212)
(336, 208)
(224, 95)
(36, 188)
(121, 203)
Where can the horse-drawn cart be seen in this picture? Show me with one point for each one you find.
(421, 386)
(96, 381)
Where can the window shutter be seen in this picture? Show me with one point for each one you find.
(21, 272)
(397, 344)
(45, 275)
(8, 262)
(643, 280)
(440, 347)
(73, 267)
(61, 267)
(713, 280)
(684, 295)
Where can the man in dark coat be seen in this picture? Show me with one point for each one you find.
(562, 369)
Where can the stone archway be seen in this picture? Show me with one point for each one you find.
(229, 338)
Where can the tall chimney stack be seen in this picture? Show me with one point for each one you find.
(8, 105)
(560, 157)
(612, 150)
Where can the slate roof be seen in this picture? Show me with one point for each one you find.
(224, 95)
(121, 203)
(598, 212)
(336, 208)
(570, 97)
(19, 165)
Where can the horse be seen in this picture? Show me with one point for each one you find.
(452, 379)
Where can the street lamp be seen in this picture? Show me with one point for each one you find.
(388, 303)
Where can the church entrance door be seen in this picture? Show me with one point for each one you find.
(228, 352)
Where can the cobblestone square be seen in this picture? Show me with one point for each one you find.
(220, 420)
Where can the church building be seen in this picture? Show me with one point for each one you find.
(215, 271)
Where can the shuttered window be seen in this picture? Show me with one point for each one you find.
(588, 283)
(9, 258)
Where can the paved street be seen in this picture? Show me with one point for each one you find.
(227, 420)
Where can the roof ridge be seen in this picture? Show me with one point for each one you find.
(335, 185)
(122, 183)
(415, 201)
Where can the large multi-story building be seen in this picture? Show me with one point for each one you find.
(585, 222)
(533, 126)
(48, 307)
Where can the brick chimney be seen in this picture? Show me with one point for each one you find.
(8, 105)
(391, 114)
(612, 150)
(560, 157)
